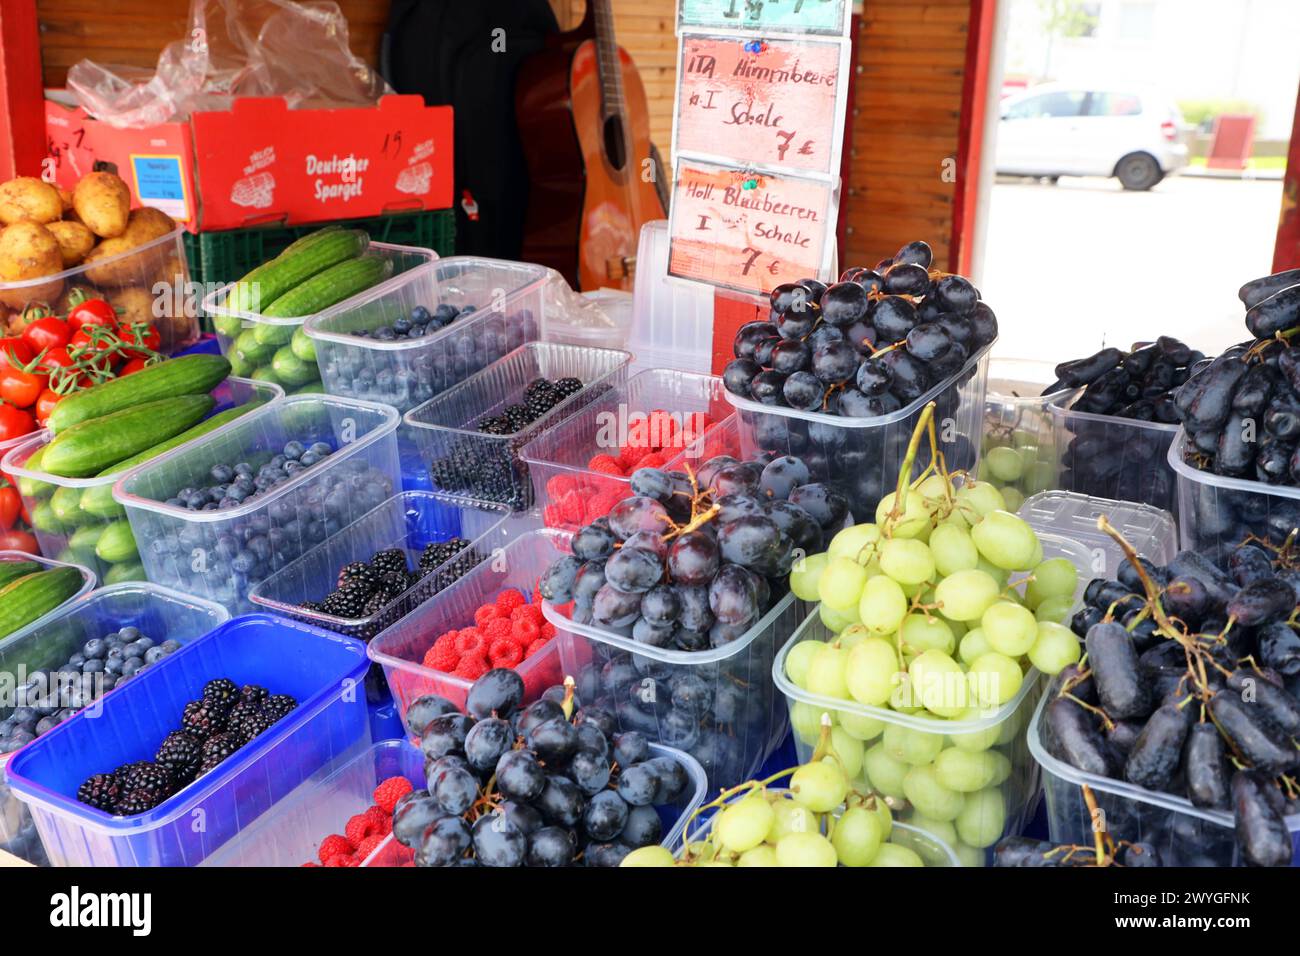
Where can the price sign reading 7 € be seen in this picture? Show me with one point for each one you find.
(767, 102)
(748, 231)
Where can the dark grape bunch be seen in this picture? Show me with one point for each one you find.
(866, 346)
(1191, 686)
(551, 784)
(213, 727)
(364, 588)
(1103, 851)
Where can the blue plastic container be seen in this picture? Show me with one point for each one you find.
(323, 671)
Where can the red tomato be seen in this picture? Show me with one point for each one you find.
(103, 352)
(45, 404)
(92, 312)
(50, 332)
(11, 505)
(15, 352)
(16, 540)
(15, 422)
(142, 335)
(131, 367)
(20, 380)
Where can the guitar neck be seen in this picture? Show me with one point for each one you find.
(611, 76)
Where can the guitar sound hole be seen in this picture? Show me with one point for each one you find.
(615, 144)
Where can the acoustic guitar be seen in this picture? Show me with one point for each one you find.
(585, 131)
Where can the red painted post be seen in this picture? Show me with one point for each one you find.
(22, 111)
(970, 133)
(1286, 254)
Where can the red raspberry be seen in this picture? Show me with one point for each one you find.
(654, 460)
(525, 631)
(509, 599)
(446, 641)
(536, 646)
(607, 465)
(571, 508)
(469, 642)
(496, 629)
(340, 860)
(332, 846)
(442, 659)
(484, 614)
(471, 667)
(505, 653)
(663, 428)
(381, 818)
(552, 517)
(367, 847)
(560, 485)
(548, 630)
(311, 863)
(529, 612)
(389, 792)
(359, 827)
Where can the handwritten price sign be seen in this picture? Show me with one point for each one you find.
(775, 106)
(830, 17)
(747, 231)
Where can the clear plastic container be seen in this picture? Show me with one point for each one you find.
(158, 612)
(507, 303)
(60, 524)
(1216, 513)
(291, 833)
(569, 491)
(1000, 730)
(746, 719)
(409, 521)
(1117, 458)
(862, 456)
(88, 582)
(221, 554)
(1184, 835)
(464, 461)
(400, 649)
(130, 282)
(1150, 530)
(319, 669)
(1018, 449)
(672, 320)
(251, 340)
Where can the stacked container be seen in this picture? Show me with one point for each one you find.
(1150, 530)
(1119, 458)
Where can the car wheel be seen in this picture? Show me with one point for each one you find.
(1138, 171)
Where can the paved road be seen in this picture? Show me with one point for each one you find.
(1073, 267)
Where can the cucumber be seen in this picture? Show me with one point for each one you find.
(266, 374)
(273, 335)
(132, 571)
(188, 375)
(13, 570)
(302, 345)
(252, 350)
(335, 284)
(66, 505)
(239, 365)
(98, 500)
(228, 325)
(30, 487)
(292, 370)
(45, 521)
(86, 449)
(33, 595)
(117, 544)
(84, 540)
(311, 388)
(306, 257)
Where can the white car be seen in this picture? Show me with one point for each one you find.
(1061, 130)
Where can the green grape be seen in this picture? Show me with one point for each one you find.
(1041, 475)
(1001, 768)
(883, 605)
(852, 636)
(1001, 575)
(860, 726)
(837, 621)
(1055, 577)
(806, 719)
(915, 747)
(701, 850)
(856, 836)
(994, 679)
(1004, 465)
(940, 683)
(982, 818)
(979, 498)
(871, 671)
(968, 856)
(1009, 628)
(797, 661)
(790, 816)
(904, 699)
(850, 542)
(841, 583)
(1013, 497)
(826, 671)
(805, 575)
(1005, 540)
(907, 561)
(885, 773)
(1037, 557)
(805, 849)
(648, 856)
(848, 749)
(929, 796)
(715, 863)
(911, 591)
(934, 490)
(1055, 647)
(973, 644)
(953, 549)
(939, 829)
(821, 787)
(882, 812)
(975, 740)
(915, 520)
(922, 633)
(1054, 609)
(966, 772)
(744, 824)
(891, 854)
(966, 595)
(759, 856)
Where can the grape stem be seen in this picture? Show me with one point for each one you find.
(924, 423)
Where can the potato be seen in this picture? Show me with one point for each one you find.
(147, 224)
(102, 202)
(28, 251)
(65, 198)
(134, 304)
(29, 198)
(75, 241)
(143, 227)
(64, 304)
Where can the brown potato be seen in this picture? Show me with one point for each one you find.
(102, 202)
(133, 304)
(28, 251)
(147, 224)
(65, 198)
(29, 198)
(144, 226)
(75, 241)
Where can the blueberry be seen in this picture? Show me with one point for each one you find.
(145, 642)
(420, 315)
(134, 651)
(131, 666)
(96, 647)
(294, 450)
(222, 474)
(244, 562)
(170, 646)
(308, 459)
(402, 326)
(321, 448)
(77, 659)
(154, 654)
(244, 470)
(445, 313)
(93, 666)
(292, 468)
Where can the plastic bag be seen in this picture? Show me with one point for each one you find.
(234, 48)
(573, 318)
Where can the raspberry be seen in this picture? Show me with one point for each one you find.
(344, 860)
(560, 485)
(381, 818)
(359, 827)
(600, 504)
(548, 630)
(311, 863)
(509, 599)
(389, 792)
(484, 614)
(606, 465)
(496, 629)
(505, 653)
(571, 508)
(333, 846)
(442, 659)
(525, 631)
(654, 460)
(530, 612)
(552, 517)
(536, 646)
(469, 641)
(446, 641)
(663, 428)
(471, 667)
(367, 847)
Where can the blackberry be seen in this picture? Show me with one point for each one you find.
(440, 552)
(100, 791)
(181, 754)
(568, 386)
(252, 725)
(221, 692)
(348, 601)
(278, 706)
(351, 572)
(134, 802)
(379, 600)
(389, 561)
(253, 692)
(201, 719)
(217, 749)
(148, 777)
(242, 711)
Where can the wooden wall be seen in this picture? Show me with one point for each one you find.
(907, 91)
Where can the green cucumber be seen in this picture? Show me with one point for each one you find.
(311, 388)
(239, 365)
(13, 570)
(131, 571)
(84, 540)
(338, 282)
(272, 335)
(117, 543)
(253, 351)
(302, 345)
(98, 500)
(66, 505)
(292, 370)
(228, 325)
(188, 375)
(266, 374)
(46, 521)
(306, 257)
(86, 449)
(33, 595)
(31, 487)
